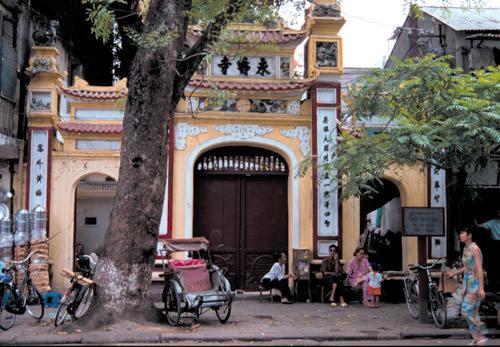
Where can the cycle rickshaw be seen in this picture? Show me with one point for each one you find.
(194, 285)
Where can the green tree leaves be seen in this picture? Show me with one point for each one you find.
(434, 114)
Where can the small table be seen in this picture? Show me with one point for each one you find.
(307, 282)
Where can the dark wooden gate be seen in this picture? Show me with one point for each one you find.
(241, 207)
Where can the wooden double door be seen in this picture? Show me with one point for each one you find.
(245, 218)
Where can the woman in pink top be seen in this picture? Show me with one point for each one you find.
(357, 268)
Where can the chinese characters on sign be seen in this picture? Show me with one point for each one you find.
(438, 199)
(266, 66)
(38, 168)
(327, 188)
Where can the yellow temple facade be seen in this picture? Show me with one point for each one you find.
(237, 141)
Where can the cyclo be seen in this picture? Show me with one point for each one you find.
(195, 285)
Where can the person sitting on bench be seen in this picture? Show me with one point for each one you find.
(277, 279)
(333, 276)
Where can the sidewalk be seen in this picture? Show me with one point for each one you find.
(250, 320)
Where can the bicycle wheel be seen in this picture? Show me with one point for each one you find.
(411, 296)
(7, 319)
(33, 301)
(223, 312)
(86, 295)
(67, 299)
(437, 306)
(172, 303)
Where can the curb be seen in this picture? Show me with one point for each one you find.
(101, 337)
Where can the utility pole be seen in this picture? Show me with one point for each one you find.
(423, 285)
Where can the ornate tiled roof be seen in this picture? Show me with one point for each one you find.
(252, 85)
(86, 128)
(278, 34)
(268, 36)
(81, 89)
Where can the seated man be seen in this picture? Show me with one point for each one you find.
(333, 276)
(276, 278)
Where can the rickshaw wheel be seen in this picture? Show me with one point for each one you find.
(223, 312)
(172, 303)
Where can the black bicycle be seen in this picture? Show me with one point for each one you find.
(19, 299)
(435, 300)
(78, 297)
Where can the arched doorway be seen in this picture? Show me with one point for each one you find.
(241, 206)
(380, 232)
(93, 203)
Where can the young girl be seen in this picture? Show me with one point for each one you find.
(374, 285)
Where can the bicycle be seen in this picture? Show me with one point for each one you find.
(435, 299)
(19, 299)
(78, 297)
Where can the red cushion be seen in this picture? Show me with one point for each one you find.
(186, 262)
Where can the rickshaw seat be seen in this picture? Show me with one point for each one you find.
(186, 262)
(193, 273)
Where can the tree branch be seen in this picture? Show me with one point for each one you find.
(211, 34)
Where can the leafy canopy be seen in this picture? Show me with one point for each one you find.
(433, 114)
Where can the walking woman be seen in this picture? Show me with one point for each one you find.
(472, 286)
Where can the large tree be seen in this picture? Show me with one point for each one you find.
(433, 114)
(159, 72)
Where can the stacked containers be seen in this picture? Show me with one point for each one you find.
(39, 266)
(6, 243)
(21, 241)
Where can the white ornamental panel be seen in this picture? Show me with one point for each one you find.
(327, 199)
(183, 130)
(39, 150)
(303, 134)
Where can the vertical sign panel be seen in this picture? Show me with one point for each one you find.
(438, 199)
(39, 168)
(327, 184)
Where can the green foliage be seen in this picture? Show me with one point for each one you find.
(153, 40)
(102, 18)
(434, 114)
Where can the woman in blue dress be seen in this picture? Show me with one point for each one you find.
(472, 286)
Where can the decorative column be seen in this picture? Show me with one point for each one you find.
(324, 55)
(438, 244)
(326, 110)
(42, 113)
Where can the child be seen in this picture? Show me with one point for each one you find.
(374, 283)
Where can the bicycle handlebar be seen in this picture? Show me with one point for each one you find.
(24, 260)
(428, 267)
(90, 259)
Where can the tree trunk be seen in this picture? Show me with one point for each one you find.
(123, 273)
(157, 82)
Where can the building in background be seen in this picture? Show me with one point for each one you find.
(234, 151)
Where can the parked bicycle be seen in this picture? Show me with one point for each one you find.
(78, 297)
(436, 302)
(19, 299)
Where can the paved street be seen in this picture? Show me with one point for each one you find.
(254, 322)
